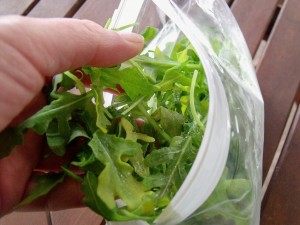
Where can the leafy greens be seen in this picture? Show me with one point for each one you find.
(137, 151)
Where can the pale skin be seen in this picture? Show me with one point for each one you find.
(32, 51)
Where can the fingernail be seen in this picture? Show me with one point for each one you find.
(132, 37)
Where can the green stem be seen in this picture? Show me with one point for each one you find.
(136, 65)
(192, 101)
(125, 27)
(171, 176)
(154, 124)
(78, 82)
(133, 105)
(166, 63)
(107, 24)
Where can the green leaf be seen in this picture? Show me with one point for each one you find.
(59, 110)
(56, 141)
(133, 166)
(61, 80)
(137, 161)
(131, 80)
(87, 161)
(44, 184)
(54, 119)
(77, 131)
(78, 83)
(116, 180)
(170, 121)
(173, 158)
(192, 102)
(71, 174)
(171, 77)
(149, 33)
(230, 201)
(9, 138)
(102, 113)
(91, 199)
(161, 156)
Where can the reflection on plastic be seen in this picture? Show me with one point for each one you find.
(223, 186)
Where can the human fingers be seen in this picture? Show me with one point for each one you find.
(32, 49)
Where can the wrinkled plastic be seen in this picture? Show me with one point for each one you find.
(223, 186)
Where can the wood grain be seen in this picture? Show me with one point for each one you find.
(77, 216)
(52, 8)
(253, 18)
(281, 204)
(98, 11)
(25, 218)
(278, 76)
(15, 7)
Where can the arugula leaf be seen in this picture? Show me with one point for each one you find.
(54, 119)
(171, 161)
(149, 33)
(172, 76)
(229, 202)
(91, 199)
(62, 80)
(78, 84)
(44, 184)
(169, 120)
(129, 78)
(116, 180)
(9, 138)
(137, 152)
(59, 110)
(86, 160)
(56, 140)
(137, 161)
(102, 114)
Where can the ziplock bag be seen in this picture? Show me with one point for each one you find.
(223, 185)
(181, 140)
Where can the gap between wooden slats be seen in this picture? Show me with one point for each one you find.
(253, 18)
(288, 131)
(15, 7)
(263, 43)
(97, 11)
(281, 205)
(55, 8)
(280, 147)
(25, 218)
(278, 75)
(76, 216)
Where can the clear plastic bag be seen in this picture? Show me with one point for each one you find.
(223, 185)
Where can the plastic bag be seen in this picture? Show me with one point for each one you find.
(223, 185)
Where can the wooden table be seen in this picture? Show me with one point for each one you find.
(272, 32)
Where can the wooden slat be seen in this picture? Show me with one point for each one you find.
(25, 218)
(78, 216)
(253, 18)
(98, 11)
(52, 8)
(278, 75)
(145, 20)
(282, 202)
(14, 6)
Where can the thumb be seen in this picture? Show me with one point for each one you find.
(34, 48)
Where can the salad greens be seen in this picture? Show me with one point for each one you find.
(136, 152)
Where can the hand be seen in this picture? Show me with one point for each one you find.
(32, 50)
